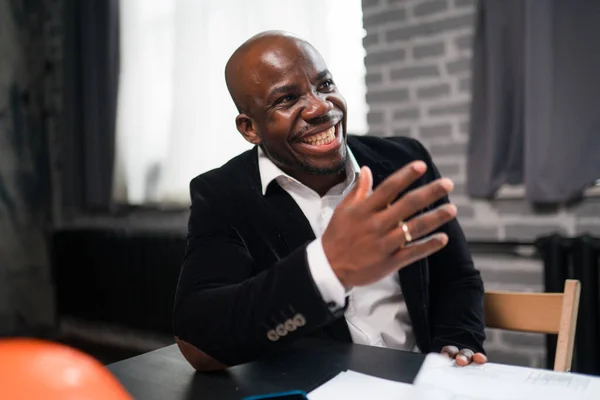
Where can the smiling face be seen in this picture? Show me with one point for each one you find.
(290, 106)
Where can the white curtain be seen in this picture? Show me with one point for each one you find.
(175, 117)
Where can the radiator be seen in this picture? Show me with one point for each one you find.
(121, 277)
(576, 258)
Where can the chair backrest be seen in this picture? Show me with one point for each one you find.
(554, 313)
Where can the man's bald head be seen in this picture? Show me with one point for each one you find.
(285, 94)
(240, 71)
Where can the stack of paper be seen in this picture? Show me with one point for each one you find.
(500, 382)
(440, 379)
(352, 385)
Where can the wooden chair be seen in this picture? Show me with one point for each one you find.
(554, 313)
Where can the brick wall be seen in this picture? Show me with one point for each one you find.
(418, 70)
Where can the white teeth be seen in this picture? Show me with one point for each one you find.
(322, 138)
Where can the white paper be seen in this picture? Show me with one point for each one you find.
(351, 385)
(500, 382)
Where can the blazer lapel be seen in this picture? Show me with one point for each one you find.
(381, 169)
(412, 279)
(288, 219)
(287, 215)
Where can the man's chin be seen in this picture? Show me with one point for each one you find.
(333, 170)
(325, 170)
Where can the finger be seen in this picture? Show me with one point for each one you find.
(450, 351)
(418, 250)
(464, 357)
(365, 183)
(395, 184)
(419, 227)
(431, 220)
(361, 189)
(479, 358)
(415, 201)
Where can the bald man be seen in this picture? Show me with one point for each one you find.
(315, 232)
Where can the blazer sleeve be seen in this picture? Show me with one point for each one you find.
(227, 309)
(455, 286)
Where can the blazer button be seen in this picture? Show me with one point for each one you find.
(281, 331)
(290, 326)
(273, 337)
(299, 320)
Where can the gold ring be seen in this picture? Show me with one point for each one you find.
(407, 235)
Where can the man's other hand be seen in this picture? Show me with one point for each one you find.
(463, 357)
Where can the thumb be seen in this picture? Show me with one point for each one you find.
(363, 186)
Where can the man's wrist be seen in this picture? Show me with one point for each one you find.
(331, 289)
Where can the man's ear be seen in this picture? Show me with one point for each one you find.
(246, 127)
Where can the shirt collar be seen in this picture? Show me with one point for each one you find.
(270, 172)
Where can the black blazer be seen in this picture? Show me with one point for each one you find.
(245, 273)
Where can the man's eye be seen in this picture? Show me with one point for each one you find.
(328, 84)
(286, 98)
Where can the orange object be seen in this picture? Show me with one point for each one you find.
(35, 369)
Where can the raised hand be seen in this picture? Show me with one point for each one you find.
(366, 240)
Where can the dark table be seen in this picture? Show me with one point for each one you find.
(164, 373)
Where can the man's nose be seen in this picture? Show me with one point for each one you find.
(316, 107)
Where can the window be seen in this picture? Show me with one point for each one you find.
(175, 117)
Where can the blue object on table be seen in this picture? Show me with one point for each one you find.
(291, 395)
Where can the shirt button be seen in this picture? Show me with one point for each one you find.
(333, 306)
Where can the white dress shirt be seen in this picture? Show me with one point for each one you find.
(376, 314)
